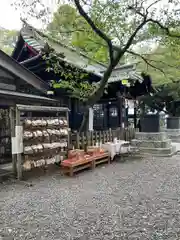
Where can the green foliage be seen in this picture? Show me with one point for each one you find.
(162, 64)
(76, 89)
(72, 29)
(63, 23)
(59, 66)
(7, 40)
(165, 97)
(72, 79)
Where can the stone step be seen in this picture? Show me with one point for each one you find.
(159, 151)
(175, 138)
(160, 136)
(173, 133)
(151, 144)
(168, 130)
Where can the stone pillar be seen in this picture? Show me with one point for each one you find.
(173, 128)
(173, 123)
(150, 123)
(91, 118)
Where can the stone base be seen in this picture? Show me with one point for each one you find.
(155, 144)
(151, 144)
(173, 134)
(159, 152)
(147, 136)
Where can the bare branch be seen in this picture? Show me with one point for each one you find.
(164, 63)
(152, 4)
(138, 12)
(148, 62)
(96, 29)
(164, 28)
(133, 35)
(69, 31)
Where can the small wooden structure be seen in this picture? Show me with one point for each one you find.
(45, 152)
(12, 77)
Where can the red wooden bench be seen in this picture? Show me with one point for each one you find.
(70, 166)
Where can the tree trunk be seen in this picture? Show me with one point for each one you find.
(85, 121)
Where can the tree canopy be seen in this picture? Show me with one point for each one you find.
(72, 29)
(113, 29)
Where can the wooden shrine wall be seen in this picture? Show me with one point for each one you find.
(5, 136)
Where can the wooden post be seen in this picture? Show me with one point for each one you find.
(12, 126)
(87, 141)
(104, 137)
(96, 138)
(77, 146)
(110, 135)
(107, 136)
(82, 141)
(19, 153)
(135, 114)
(100, 137)
(92, 138)
(122, 133)
(68, 141)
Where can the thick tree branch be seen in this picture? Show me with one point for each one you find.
(104, 80)
(99, 92)
(96, 29)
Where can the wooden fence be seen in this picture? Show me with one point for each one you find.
(81, 141)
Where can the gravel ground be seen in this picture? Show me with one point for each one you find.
(130, 200)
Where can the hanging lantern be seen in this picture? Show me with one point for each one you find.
(125, 82)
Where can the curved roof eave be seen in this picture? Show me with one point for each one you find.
(12, 66)
(39, 40)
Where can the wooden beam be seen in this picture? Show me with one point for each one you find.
(12, 126)
(19, 154)
(41, 108)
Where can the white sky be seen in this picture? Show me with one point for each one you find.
(9, 18)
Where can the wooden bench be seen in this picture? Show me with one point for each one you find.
(70, 167)
(103, 158)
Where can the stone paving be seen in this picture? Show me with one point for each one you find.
(131, 200)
